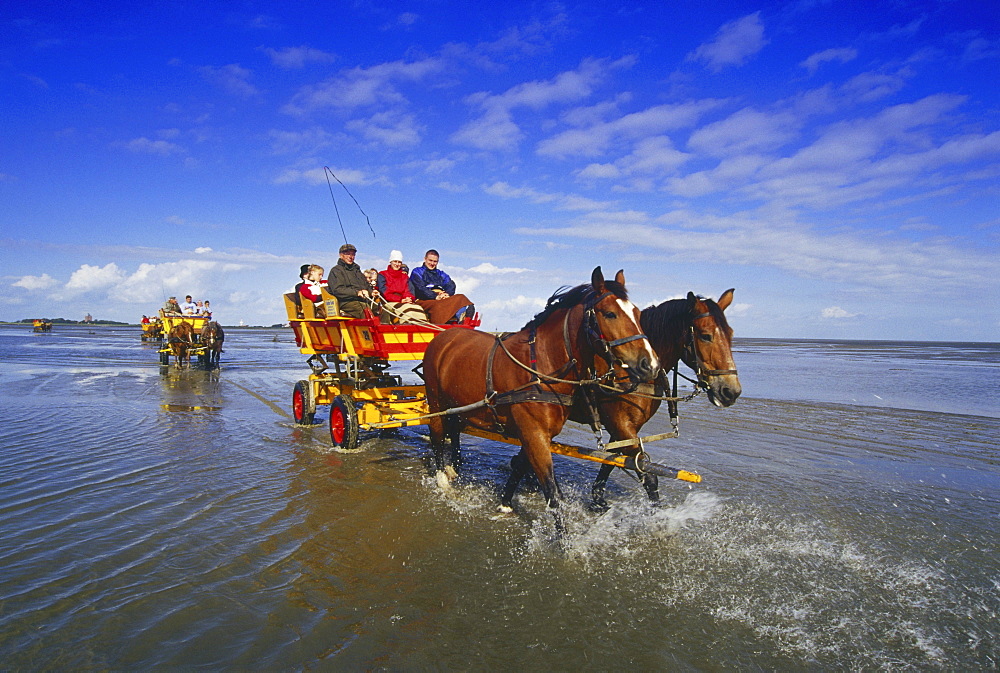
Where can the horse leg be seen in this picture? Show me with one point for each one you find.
(518, 468)
(537, 451)
(442, 465)
(453, 428)
(597, 500)
(652, 485)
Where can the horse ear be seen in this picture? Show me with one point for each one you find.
(692, 301)
(597, 279)
(620, 277)
(726, 299)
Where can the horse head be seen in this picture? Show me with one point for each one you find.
(209, 334)
(708, 349)
(614, 331)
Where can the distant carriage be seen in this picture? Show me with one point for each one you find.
(41, 325)
(152, 330)
(183, 337)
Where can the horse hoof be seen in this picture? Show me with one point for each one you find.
(598, 507)
(443, 481)
(505, 509)
(450, 471)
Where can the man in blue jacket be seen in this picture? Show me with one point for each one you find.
(435, 292)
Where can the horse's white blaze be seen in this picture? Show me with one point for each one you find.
(629, 309)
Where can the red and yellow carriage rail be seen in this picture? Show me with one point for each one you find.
(350, 359)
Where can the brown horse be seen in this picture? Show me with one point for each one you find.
(694, 330)
(181, 339)
(212, 338)
(522, 385)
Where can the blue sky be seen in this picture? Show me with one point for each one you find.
(835, 162)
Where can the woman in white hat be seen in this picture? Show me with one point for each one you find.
(394, 286)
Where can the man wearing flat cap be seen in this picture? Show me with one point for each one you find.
(348, 284)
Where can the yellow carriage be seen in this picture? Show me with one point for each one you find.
(350, 360)
(152, 330)
(170, 320)
(41, 325)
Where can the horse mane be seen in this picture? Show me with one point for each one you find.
(564, 298)
(663, 323)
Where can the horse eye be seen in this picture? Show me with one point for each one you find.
(610, 315)
(705, 337)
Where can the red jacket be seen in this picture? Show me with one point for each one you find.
(394, 285)
(311, 291)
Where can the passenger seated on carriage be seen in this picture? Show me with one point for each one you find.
(189, 307)
(435, 292)
(171, 307)
(348, 284)
(394, 286)
(312, 288)
(207, 309)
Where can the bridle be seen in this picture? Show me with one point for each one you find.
(595, 336)
(693, 359)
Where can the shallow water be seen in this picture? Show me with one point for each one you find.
(179, 519)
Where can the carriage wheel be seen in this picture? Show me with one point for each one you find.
(303, 403)
(344, 422)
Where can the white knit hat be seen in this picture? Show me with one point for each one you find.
(394, 255)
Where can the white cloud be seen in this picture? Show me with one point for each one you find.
(88, 278)
(488, 268)
(232, 78)
(496, 129)
(561, 201)
(870, 86)
(518, 302)
(33, 283)
(836, 313)
(146, 146)
(317, 176)
(360, 87)
(734, 43)
(407, 19)
(816, 60)
(298, 57)
(307, 140)
(597, 139)
(390, 128)
(745, 131)
(769, 239)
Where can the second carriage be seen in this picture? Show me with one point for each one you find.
(206, 351)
